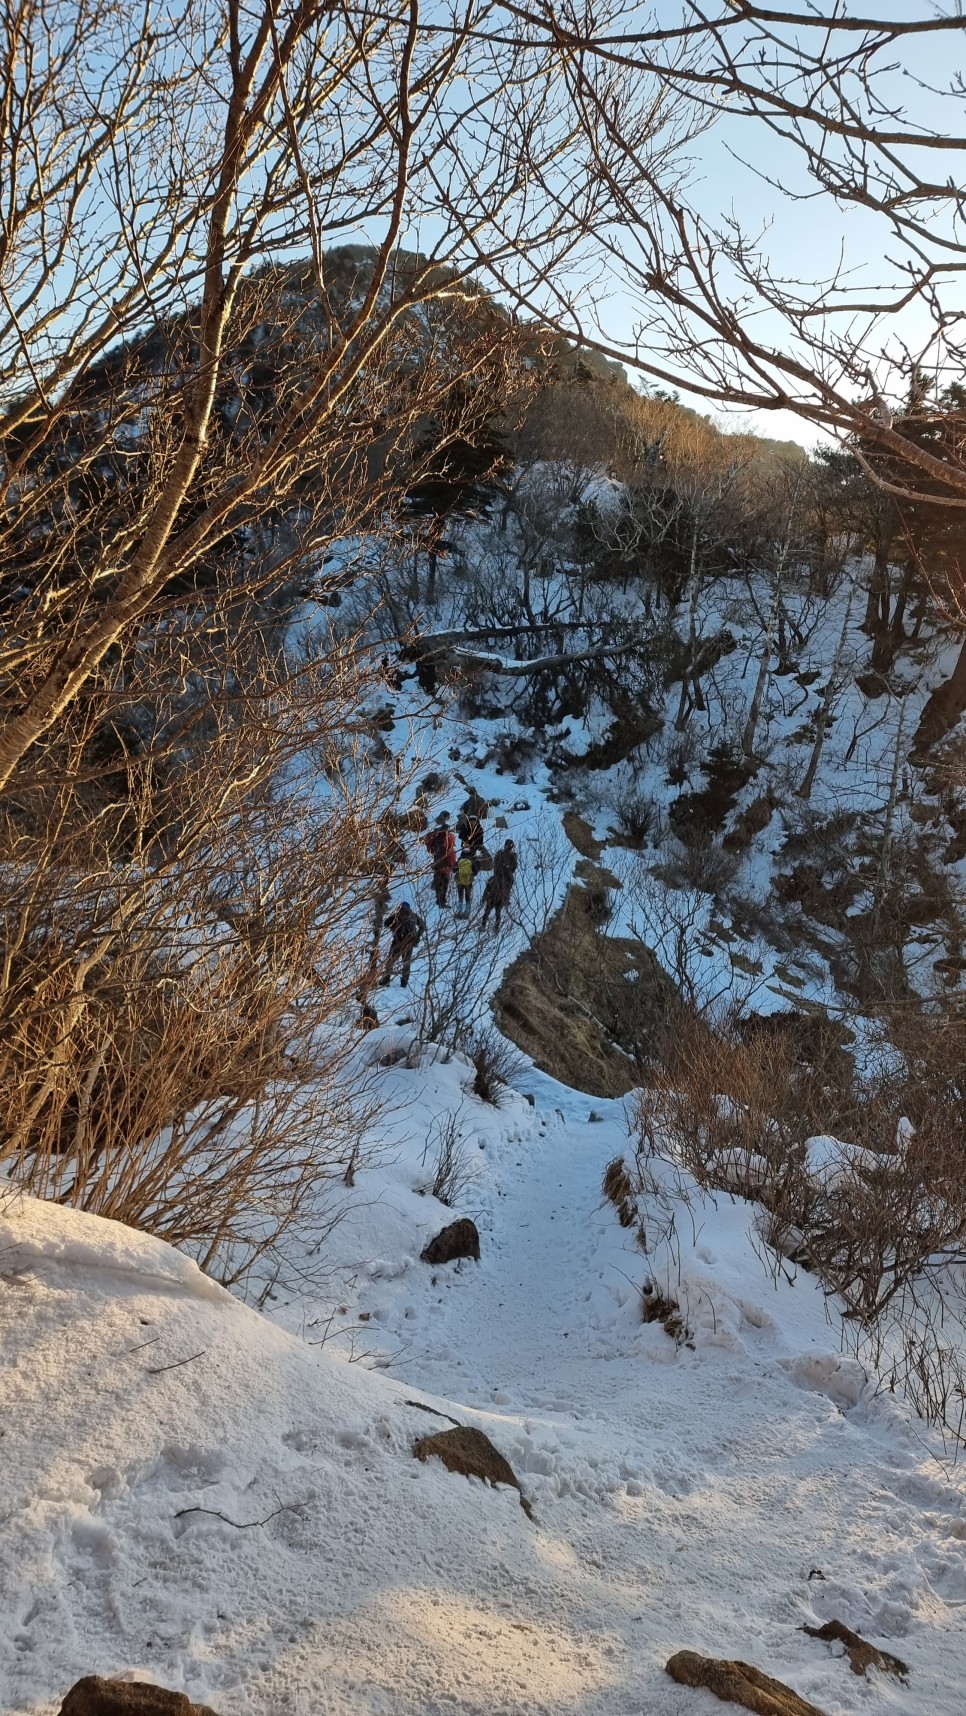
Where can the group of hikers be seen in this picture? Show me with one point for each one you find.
(457, 855)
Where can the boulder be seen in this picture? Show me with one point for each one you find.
(97, 1696)
(460, 1239)
(470, 1453)
(739, 1683)
(861, 1653)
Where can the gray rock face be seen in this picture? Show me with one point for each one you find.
(460, 1239)
(97, 1696)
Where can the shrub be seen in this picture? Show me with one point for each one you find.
(182, 957)
(452, 1161)
(496, 1065)
(635, 819)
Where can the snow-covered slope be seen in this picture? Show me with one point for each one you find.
(714, 1496)
(228, 1502)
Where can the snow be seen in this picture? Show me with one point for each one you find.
(712, 1495)
(224, 1499)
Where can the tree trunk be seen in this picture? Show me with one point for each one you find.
(764, 667)
(887, 839)
(821, 726)
(877, 601)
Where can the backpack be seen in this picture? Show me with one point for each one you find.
(464, 872)
(436, 844)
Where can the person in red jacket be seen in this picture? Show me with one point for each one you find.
(441, 846)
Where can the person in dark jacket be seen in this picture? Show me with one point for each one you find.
(505, 868)
(495, 896)
(469, 826)
(407, 930)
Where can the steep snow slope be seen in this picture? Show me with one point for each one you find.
(681, 1497)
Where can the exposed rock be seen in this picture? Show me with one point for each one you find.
(739, 1683)
(861, 1653)
(97, 1696)
(588, 1008)
(581, 835)
(470, 1453)
(460, 1239)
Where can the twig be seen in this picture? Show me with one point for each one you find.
(156, 1370)
(240, 1524)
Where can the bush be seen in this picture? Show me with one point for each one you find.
(635, 819)
(452, 1162)
(183, 953)
(737, 1109)
(496, 1066)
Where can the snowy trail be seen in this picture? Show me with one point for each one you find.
(682, 1498)
(715, 1499)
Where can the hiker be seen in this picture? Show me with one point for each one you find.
(427, 675)
(505, 868)
(466, 869)
(496, 895)
(441, 846)
(407, 928)
(469, 826)
(392, 678)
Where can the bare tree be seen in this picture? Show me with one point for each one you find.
(238, 135)
(716, 315)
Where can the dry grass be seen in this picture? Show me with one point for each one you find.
(658, 1308)
(617, 1187)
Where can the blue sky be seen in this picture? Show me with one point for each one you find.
(806, 236)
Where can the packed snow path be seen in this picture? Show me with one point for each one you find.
(712, 1498)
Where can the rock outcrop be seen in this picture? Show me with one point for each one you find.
(460, 1239)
